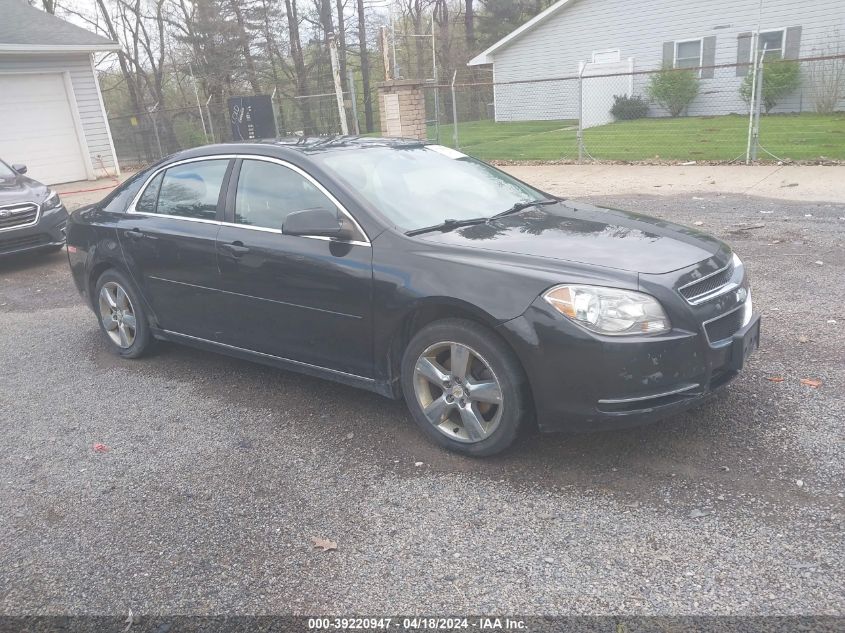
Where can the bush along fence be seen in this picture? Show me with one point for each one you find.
(765, 110)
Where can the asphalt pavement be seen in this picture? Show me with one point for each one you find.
(214, 474)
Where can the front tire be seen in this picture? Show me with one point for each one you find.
(122, 316)
(464, 387)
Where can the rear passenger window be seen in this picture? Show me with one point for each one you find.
(190, 190)
(148, 200)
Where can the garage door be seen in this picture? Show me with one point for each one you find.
(37, 129)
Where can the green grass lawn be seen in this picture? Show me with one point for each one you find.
(788, 136)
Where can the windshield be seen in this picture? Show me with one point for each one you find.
(421, 186)
(6, 171)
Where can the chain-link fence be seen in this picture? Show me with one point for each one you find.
(144, 137)
(787, 110)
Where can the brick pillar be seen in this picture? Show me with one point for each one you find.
(402, 109)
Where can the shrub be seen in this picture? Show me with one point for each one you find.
(626, 108)
(673, 89)
(780, 79)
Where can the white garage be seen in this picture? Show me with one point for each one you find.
(51, 111)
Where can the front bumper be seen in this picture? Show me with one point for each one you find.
(48, 232)
(581, 381)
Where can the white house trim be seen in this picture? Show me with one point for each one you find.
(487, 56)
(57, 48)
(77, 125)
(105, 117)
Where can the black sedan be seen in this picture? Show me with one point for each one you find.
(32, 216)
(415, 271)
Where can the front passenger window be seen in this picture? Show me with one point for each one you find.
(268, 193)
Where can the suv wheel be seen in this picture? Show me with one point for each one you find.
(464, 387)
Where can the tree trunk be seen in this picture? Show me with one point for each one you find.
(299, 66)
(469, 36)
(252, 75)
(469, 24)
(365, 66)
(341, 44)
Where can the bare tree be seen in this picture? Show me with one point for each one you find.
(49, 6)
(469, 24)
(244, 38)
(300, 72)
(365, 66)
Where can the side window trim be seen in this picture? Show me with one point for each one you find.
(230, 184)
(132, 209)
(232, 192)
(223, 196)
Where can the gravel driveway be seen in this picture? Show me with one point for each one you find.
(218, 473)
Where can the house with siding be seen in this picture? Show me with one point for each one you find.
(610, 43)
(51, 110)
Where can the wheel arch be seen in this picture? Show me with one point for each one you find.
(103, 265)
(428, 311)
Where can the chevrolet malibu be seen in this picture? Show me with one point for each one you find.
(417, 272)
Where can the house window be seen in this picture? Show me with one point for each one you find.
(772, 43)
(688, 54)
(606, 57)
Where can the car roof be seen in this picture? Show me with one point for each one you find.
(299, 146)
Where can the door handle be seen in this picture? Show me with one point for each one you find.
(236, 249)
(136, 234)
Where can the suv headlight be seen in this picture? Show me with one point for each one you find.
(51, 201)
(609, 310)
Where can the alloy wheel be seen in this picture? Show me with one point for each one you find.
(117, 314)
(458, 391)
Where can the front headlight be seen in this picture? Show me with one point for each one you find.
(51, 201)
(609, 310)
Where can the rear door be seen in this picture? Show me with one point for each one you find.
(169, 241)
(306, 299)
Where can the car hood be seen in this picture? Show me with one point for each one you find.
(21, 189)
(588, 234)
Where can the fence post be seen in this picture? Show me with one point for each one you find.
(210, 124)
(581, 68)
(758, 103)
(338, 88)
(755, 53)
(273, 107)
(455, 113)
(199, 108)
(155, 129)
(354, 100)
(434, 77)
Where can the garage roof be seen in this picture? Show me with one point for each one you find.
(26, 29)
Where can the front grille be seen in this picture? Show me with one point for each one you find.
(10, 244)
(16, 216)
(725, 326)
(698, 289)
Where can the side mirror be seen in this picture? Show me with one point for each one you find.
(20, 168)
(314, 222)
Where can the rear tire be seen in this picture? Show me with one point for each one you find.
(464, 387)
(121, 315)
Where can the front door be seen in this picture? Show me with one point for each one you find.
(300, 298)
(169, 241)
